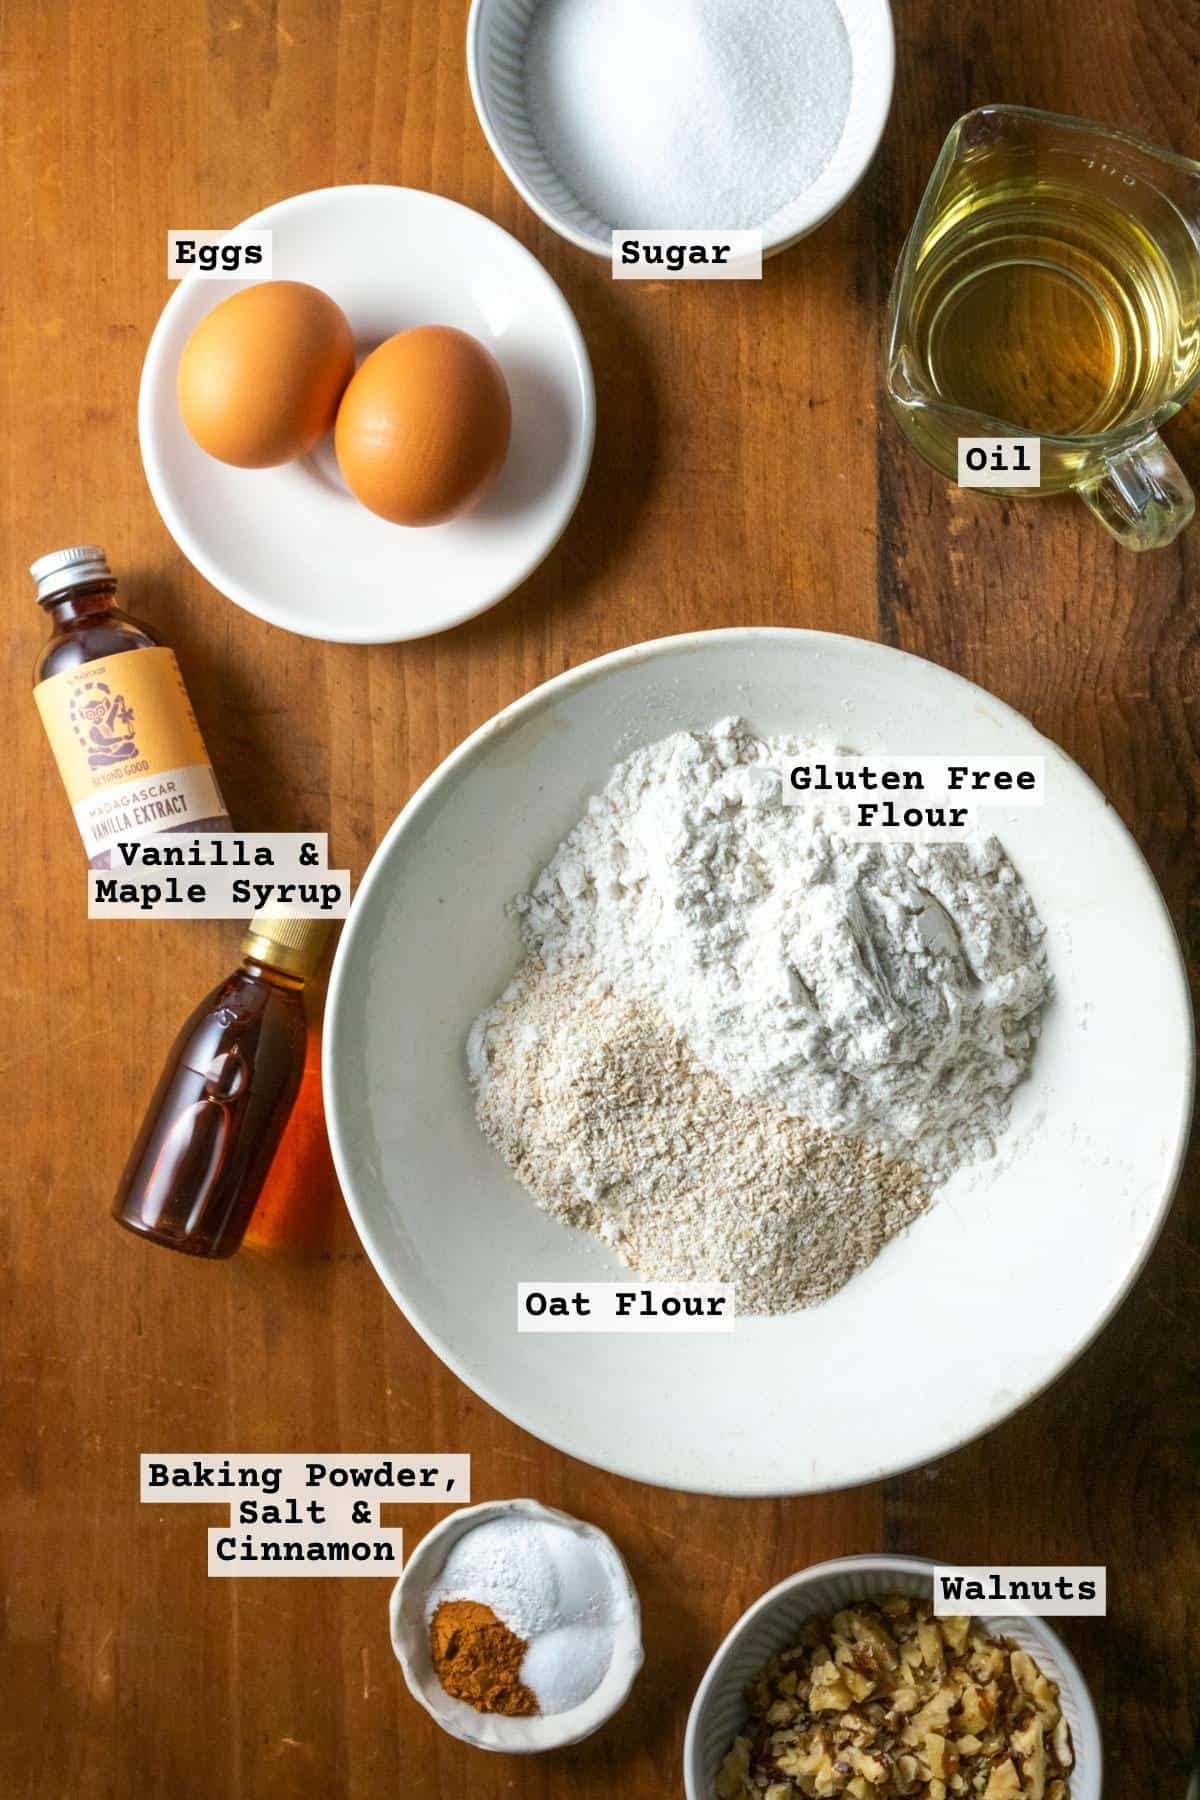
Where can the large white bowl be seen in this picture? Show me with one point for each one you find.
(496, 34)
(773, 1623)
(291, 544)
(957, 1324)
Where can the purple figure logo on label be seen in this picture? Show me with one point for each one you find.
(103, 723)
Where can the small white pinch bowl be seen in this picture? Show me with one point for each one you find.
(772, 1623)
(491, 1731)
(496, 35)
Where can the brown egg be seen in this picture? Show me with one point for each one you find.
(261, 376)
(423, 428)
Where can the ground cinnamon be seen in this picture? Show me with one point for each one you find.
(478, 1659)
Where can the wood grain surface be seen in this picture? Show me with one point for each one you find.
(744, 474)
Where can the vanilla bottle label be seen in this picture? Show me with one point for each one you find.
(129, 750)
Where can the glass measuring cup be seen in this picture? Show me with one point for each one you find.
(1050, 287)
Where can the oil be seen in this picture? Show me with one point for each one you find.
(1047, 302)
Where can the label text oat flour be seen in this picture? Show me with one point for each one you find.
(609, 1306)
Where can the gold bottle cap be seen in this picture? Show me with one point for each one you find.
(293, 946)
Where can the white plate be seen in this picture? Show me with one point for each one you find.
(989, 1296)
(291, 544)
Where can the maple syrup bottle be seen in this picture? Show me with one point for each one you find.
(300, 1205)
(224, 1098)
(116, 712)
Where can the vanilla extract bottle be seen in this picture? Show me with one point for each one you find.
(116, 712)
(224, 1098)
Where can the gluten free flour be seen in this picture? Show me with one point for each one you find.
(741, 1047)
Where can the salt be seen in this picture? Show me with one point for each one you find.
(696, 114)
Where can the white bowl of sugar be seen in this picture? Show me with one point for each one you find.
(712, 115)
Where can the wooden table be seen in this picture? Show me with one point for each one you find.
(744, 474)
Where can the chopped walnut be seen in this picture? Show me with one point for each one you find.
(884, 1701)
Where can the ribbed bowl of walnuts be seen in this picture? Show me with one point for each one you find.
(840, 1682)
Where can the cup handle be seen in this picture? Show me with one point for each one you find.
(1142, 495)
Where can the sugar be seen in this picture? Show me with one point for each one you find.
(697, 114)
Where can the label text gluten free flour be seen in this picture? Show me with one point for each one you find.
(918, 799)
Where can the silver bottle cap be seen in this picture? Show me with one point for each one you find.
(65, 569)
